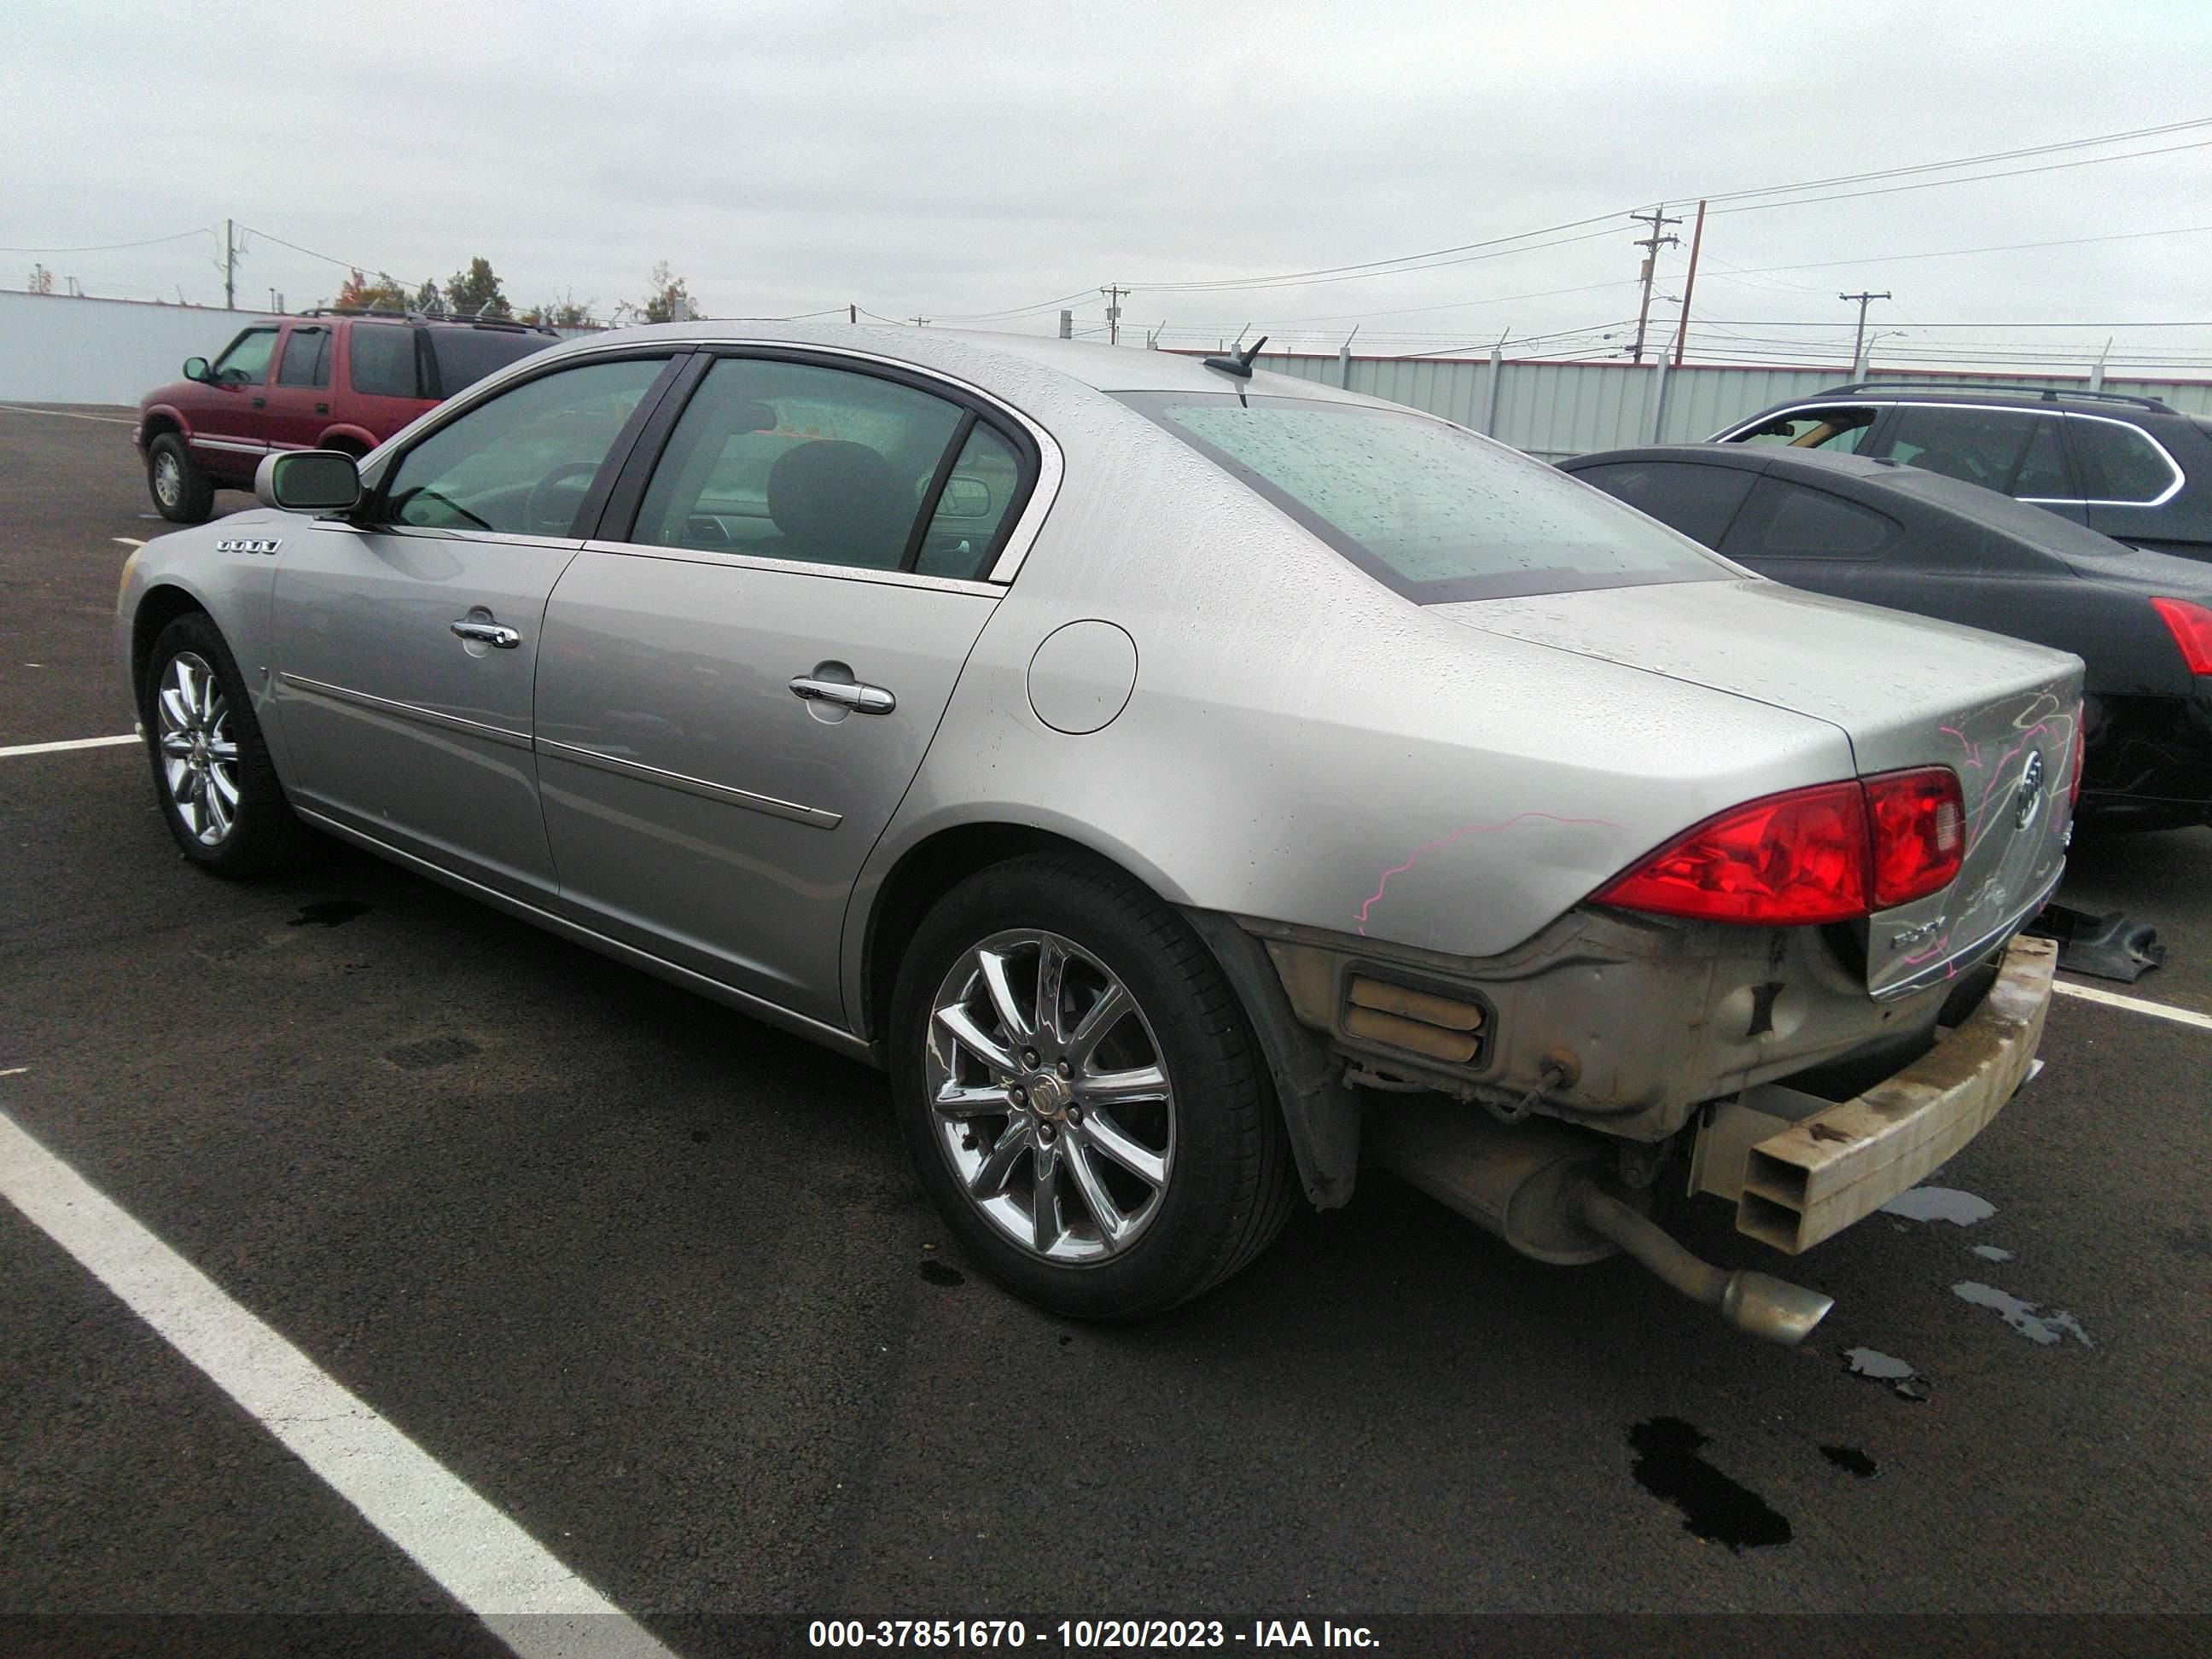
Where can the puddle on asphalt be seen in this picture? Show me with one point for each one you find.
(1713, 1505)
(1992, 1253)
(1852, 1458)
(329, 913)
(938, 1274)
(1903, 1381)
(2046, 1328)
(1941, 1204)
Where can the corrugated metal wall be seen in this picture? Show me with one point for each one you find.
(1556, 410)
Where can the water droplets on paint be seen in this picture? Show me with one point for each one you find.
(2043, 1328)
(1941, 1204)
(1903, 1381)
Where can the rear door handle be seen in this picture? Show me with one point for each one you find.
(261, 402)
(487, 633)
(322, 409)
(845, 694)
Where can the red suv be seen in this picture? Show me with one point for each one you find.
(326, 380)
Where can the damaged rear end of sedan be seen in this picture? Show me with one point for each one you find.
(1561, 867)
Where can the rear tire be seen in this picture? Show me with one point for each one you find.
(218, 790)
(182, 493)
(1153, 1136)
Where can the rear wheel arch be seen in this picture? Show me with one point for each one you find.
(347, 441)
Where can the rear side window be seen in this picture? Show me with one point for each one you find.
(1428, 510)
(1697, 501)
(307, 358)
(384, 361)
(1990, 447)
(465, 356)
(1795, 521)
(2118, 463)
(1839, 431)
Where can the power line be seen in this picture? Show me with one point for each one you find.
(110, 247)
(1971, 178)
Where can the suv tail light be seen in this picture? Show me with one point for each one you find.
(1826, 853)
(2192, 626)
(2080, 754)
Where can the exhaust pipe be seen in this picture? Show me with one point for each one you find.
(1758, 1303)
(1534, 1185)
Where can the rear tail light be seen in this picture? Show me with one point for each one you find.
(2192, 626)
(1798, 857)
(1919, 824)
(2080, 754)
(1826, 853)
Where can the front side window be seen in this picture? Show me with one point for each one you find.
(384, 361)
(1990, 447)
(2119, 462)
(1430, 511)
(307, 358)
(791, 460)
(1840, 431)
(1697, 501)
(246, 361)
(522, 462)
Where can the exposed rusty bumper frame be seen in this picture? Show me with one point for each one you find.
(1825, 1171)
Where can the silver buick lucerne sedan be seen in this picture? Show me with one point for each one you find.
(1188, 783)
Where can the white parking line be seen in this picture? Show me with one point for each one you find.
(69, 415)
(129, 541)
(483, 1560)
(72, 742)
(2134, 1004)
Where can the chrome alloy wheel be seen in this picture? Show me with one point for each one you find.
(199, 757)
(1051, 1100)
(169, 479)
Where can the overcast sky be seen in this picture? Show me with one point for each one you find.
(953, 159)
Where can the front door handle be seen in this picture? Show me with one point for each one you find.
(261, 402)
(487, 632)
(845, 694)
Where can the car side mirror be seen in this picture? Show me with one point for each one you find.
(196, 369)
(308, 481)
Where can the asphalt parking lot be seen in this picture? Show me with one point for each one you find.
(654, 1281)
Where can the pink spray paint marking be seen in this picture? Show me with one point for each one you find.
(1414, 857)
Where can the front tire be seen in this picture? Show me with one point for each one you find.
(182, 493)
(218, 790)
(1082, 1096)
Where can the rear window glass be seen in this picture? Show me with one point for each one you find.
(383, 361)
(1430, 511)
(2118, 463)
(465, 356)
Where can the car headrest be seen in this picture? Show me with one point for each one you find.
(840, 500)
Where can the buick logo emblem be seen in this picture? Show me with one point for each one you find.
(2031, 790)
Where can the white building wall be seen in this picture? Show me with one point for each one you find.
(57, 349)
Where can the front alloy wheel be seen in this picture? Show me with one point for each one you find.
(1053, 1104)
(199, 757)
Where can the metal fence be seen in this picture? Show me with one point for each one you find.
(1558, 410)
(63, 350)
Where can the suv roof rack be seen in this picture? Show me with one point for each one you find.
(505, 324)
(2049, 394)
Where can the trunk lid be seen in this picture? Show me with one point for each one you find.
(1905, 690)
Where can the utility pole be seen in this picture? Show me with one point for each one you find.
(1658, 220)
(919, 322)
(1858, 344)
(1066, 324)
(1689, 286)
(1113, 314)
(852, 312)
(229, 270)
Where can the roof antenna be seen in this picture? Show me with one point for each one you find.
(1240, 364)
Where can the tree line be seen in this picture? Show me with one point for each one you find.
(476, 291)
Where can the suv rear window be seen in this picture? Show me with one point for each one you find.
(465, 356)
(1428, 510)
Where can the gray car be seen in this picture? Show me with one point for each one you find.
(1186, 782)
